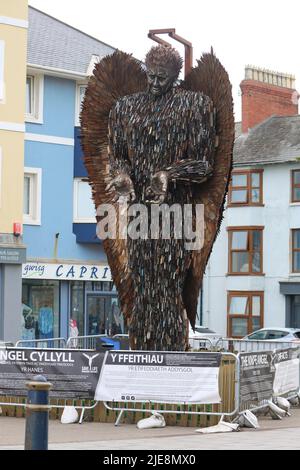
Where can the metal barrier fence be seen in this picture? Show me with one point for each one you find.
(177, 414)
(255, 405)
(241, 345)
(229, 389)
(82, 407)
(196, 343)
(55, 343)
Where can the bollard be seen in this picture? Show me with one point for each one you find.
(37, 414)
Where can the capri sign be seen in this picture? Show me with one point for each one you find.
(66, 272)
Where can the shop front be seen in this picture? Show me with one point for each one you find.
(55, 294)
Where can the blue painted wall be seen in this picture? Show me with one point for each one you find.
(57, 164)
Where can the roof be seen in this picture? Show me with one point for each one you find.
(275, 140)
(52, 43)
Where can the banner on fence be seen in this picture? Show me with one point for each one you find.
(265, 374)
(159, 377)
(286, 378)
(74, 374)
(256, 376)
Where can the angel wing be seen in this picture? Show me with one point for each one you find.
(210, 78)
(115, 76)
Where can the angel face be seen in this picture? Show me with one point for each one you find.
(160, 79)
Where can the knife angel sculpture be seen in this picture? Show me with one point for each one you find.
(163, 145)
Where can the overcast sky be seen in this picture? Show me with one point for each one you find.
(257, 32)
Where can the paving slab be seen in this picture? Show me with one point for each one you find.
(273, 434)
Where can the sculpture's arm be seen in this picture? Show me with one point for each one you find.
(120, 165)
(197, 162)
(117, 144)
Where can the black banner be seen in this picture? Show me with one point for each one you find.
(73, 374)
(171, 359)
(256, 376)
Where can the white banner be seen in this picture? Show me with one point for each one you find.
(66, 272)
(159, 377)
(286, 371)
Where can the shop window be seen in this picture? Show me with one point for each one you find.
(84, 209)
(40, 309)
(77, 305)
(246, 188)
(34, 98)
(296, 251)
(104, 316)
(296, 186)
(91, 307)
(245, 313)
(80, 92)
(32, 196)
(245, 251)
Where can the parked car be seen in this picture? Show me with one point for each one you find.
(275, 334)
(203, 338)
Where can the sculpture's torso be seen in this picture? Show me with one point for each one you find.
(159, 131)
(151, 133)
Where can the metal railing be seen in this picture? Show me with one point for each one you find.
(202, 343)
(84, 342)
(55, 343)
(243, 345)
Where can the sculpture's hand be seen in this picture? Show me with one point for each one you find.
(123, 186)
(157, 191)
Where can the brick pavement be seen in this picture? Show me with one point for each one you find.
(284, 434)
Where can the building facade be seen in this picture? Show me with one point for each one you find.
(66, 274)
(13, 43)
(253, 276)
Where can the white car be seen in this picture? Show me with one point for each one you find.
(203, 338)
(275, 334)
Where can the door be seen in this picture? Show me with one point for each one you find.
(296, 311)
(103, 314)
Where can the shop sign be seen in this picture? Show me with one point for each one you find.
(12, 255)
(66, 272)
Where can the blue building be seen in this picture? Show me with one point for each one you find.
(66, 275)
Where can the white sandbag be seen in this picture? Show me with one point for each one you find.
(155, 421)
(69, 415)
(284, 404)
(275, 411)
(222, 426)
(248, 420)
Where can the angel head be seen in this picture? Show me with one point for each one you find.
(163, 67)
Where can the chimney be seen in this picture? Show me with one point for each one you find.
(266, 93)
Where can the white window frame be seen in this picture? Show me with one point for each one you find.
(2, 82)
(36, 115)
(77, 102)
(35, 196)
(76, 218)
